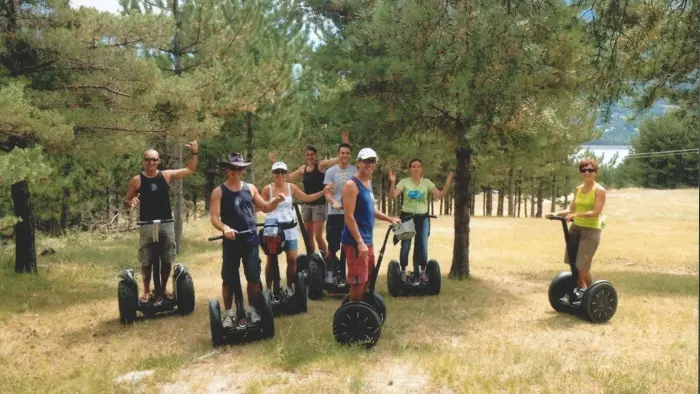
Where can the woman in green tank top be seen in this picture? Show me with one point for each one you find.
(586, 213)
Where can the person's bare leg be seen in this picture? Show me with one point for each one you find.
(585, 278)
(357, 291)
(227, 294)
(165, 269)
(318, 235)
(291, 267)
(268, 276)
(146, 280)
(252, 289)
(309, 226)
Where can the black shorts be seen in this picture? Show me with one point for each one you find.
(334, 231)
(234, 252)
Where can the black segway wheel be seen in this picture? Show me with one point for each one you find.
(185, 294)
(267, 319)
(215, 323)
(356, 323)
(561, 285)
(393, 278)
(302, 263)
(600, 301)
(317, 277)
(374, 300)
(433, 272)
(300, 292)
(128, 297)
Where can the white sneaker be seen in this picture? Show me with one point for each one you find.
(290, 291)
(254, 317)
(228, 321)
(329, 277)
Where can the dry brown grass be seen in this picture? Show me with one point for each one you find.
(492, 333)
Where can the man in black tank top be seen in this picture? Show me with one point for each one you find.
(231, 212)
(150, 189)
(314, 213)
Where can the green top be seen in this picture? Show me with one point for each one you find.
(586, 202)
(415, 197)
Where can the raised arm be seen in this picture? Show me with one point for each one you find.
(323, 165)
(173, 175)
(393, 190)
(300, 195)
(441, 193)
(294, 176)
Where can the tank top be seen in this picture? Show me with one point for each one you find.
(313, 183)
(586, 202)
(364, 215)
(237, 210)
(284, 213)
(154, 198)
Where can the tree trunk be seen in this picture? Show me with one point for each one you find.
(25, 243)
(554, 193)
(489, 201)
(540, 190)
(518, 193)
(249, 125)
(566, 191)
(460, 253)
(179, 198)
(501, 200)
(483, 201)
(525, 210)
(511, 190)
(472, 205)
(532, 196)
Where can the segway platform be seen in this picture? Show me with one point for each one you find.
(407, 285)
(264, 329)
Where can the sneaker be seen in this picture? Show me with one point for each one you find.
(228, 321)
(254, 317)
(342, 282)
(290, 291)
(579, 293)
(329, 277)
(424, 277)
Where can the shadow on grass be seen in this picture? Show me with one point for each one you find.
(563, 321)
(636, 283)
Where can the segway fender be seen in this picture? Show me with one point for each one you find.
(128, 275)
(178, 270)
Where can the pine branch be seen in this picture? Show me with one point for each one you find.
(107, 88)
(79, 128)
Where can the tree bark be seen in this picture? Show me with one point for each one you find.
(489, 201)
(540, 190)
(511, 190)
(566, 191)
(179, 198)
(25, 243)
(532, 200)
(518, 193)
(460, 253)
(501, 200)
(554, 193)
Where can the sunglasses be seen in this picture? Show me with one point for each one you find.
(279, 172)
(150, 159)
(370, 161)
(588, 170)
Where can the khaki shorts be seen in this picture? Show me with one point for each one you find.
(314, 213)
(148, 250)
(587, 241)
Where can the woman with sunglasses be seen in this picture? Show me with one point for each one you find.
(415, 191)
(284, 213)
(586, 213)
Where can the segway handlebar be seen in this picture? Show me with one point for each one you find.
(420, 216)
(560, 218)
(157, 221)
(283, 226)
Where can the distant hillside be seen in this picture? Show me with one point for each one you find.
(619, 130)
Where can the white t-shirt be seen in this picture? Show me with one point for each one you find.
(338, 176)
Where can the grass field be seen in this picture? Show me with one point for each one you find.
(60, 331)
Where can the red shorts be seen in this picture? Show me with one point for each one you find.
(358, 269)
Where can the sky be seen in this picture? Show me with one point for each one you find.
(102, 5)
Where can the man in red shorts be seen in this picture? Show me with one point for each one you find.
(360, 212)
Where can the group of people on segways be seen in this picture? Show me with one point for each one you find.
(345, 264)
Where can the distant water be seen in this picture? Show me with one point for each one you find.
(608, 151)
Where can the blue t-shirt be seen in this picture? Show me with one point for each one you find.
(364, 215)
(338, 176)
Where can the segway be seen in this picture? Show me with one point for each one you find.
(128, 288)
(263, 329)
(426, 281)
(314, 268)
(272, 237)
(360, 322)
(597, 303)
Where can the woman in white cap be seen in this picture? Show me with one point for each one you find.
(285, 213)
